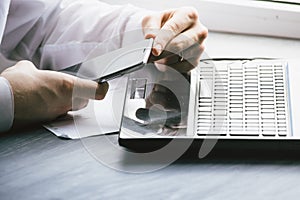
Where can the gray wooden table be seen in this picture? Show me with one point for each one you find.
(34, 164)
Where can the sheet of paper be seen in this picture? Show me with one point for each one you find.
(99, 117)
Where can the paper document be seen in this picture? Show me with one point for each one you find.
(98, 118)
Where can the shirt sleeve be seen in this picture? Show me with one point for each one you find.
(61, 33)
(6, 105)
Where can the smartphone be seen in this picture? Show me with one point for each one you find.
(116, 63)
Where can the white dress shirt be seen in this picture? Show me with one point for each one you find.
(56, 34)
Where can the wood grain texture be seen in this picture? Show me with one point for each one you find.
(34, 164)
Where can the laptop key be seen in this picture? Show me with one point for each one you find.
(244, 133)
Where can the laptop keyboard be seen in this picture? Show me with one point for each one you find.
(243, 98)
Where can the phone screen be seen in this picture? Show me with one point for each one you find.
(116, 63)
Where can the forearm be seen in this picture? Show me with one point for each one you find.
(60, 34)
(83, 26)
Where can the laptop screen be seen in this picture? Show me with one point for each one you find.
(156, 103)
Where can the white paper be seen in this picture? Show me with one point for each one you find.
(98, 118)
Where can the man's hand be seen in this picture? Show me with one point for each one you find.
(41, 95)
(178, 37)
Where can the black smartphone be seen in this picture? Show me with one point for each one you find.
(115, 63)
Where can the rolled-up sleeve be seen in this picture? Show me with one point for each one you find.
(6, 105)
(61, 33)
(82, 26)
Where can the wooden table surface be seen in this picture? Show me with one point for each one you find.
(35, 164)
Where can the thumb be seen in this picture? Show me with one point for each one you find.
(151, 27)
(88, 89)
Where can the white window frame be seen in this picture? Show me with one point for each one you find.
(236, 16)
(252, 17)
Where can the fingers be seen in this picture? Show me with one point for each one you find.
(89, 89)
(71, 86)
(48, 94)
(186, 61)
(193, 52)
(79, 103)
(176, 22)
(191, 37)
(151, 25)
(179, 37)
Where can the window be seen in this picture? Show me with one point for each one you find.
(296, 2)
(279, 18)
(262, 17)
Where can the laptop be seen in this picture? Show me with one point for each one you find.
(237, 105)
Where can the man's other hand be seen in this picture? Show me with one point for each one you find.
(178, 37)
(42, 95)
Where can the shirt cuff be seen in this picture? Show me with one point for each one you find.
(6, 105)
